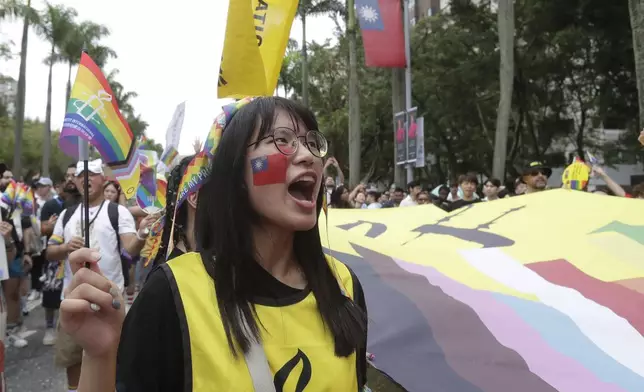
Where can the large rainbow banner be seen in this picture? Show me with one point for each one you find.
(537, 293)
(93, 114)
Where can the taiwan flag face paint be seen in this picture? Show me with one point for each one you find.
(269, 169)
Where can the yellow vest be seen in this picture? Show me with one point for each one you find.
(298, 346)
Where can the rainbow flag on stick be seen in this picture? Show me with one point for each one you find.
(93, 114)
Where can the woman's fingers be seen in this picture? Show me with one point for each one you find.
(79, 257)
(91, 295)
(70, 305)
(90, 277)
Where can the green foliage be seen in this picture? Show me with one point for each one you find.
(32, 148)
(574, 72)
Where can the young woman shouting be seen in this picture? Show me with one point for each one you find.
(260, 307)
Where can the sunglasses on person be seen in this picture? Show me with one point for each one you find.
(287, 141)
(535, 173)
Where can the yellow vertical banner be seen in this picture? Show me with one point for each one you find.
(257, 33)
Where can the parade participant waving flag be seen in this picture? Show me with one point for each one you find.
(93, 115)
(273, 313)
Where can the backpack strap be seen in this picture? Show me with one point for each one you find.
(113, 214)
(68, 213)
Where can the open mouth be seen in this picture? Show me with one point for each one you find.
(303, 188)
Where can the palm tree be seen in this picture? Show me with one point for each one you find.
(57, 23)
(85, 36)
(122, 97)
(12, 9)
(305, 9)
(290, 60)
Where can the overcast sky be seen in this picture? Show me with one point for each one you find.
(167, 54)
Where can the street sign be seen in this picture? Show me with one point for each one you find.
(412, 131)
(400, 134)
(420, 142)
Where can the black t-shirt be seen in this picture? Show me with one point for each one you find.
(455, 205)
(52, 207)
(151, 349)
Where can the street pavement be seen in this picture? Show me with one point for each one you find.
(31, 368)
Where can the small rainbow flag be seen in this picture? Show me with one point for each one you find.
(162, 188)
(25, 199)
(169, 156)
(9, 195)
(93, 115)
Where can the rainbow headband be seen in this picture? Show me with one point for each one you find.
(198, 169)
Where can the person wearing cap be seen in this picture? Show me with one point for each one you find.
(106, 236)
(535, 177)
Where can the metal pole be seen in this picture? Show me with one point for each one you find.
(410, 167)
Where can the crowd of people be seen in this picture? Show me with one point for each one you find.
(239, 259)
(467, 189)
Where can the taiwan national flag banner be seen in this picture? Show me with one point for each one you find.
(382, 33)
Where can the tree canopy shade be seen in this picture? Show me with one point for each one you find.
(574, 73)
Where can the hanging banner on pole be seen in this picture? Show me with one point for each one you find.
(420, 142)
(412, 130)
(400, 135)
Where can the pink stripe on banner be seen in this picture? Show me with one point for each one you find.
(560, 371)
(627, 303)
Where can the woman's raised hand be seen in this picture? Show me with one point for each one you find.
(92, 311)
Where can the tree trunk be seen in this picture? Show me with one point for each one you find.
(506, 76)
(305, 65)
(68, 92)
(46, 136)
(636, 9)
(354, 101)
(398, 105)
(20, 100)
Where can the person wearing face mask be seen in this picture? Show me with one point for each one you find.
(535, 177)
(260, 306)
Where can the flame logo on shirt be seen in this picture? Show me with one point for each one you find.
(285, 372)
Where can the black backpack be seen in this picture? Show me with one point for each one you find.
(113, 214)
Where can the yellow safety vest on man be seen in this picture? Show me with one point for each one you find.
(298, 347)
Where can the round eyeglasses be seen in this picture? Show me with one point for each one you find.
(287, 142)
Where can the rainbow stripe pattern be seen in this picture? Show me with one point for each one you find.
(25, 199)
(93, 114)
(529, 294)
(199, 168)
(162, 189)
(8, 196)
(169, 155)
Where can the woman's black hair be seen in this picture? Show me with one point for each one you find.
(174, 180)
(223, 232)
(336, 198)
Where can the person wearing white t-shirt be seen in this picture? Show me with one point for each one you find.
(414, 189)
(69, 237)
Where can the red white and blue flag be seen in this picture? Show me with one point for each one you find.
(382, 33)
(269, 169)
